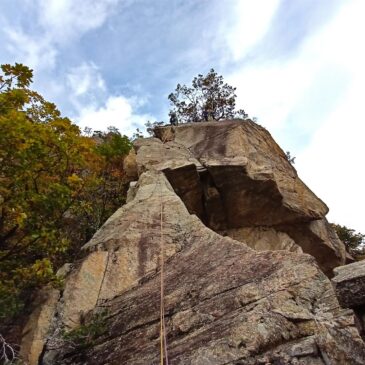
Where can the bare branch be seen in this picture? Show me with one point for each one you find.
(8, 355)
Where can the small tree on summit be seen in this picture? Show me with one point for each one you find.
(353, 241)
(208, 98)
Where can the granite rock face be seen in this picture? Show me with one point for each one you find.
(238, 289)
(243, 180)
(36, 330)
(264, 238)
(349, 283)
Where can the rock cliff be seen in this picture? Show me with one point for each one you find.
(247, 254)
(349, 283)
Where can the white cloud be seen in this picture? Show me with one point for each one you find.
(33, 51)
(97, 109)
(58, 23)
(252, 20)
(270, 91)
(85, 78)
(273, 90)
(118, 111)
(328, 70)
(67, 19)
(333, 162)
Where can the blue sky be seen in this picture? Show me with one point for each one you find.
(298, 67)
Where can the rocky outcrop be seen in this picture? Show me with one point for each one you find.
(319, 239)
(238, 289)
(247, 165)
(349, 283)
(236, 177)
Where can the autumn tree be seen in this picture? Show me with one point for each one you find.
(111, 183)
(52, 179)
(208, 98)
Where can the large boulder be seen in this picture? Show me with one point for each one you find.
(349, 283)
(235, 178)
(259, 186)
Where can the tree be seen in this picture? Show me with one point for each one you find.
(111, 190)
(56, 187)
(208, 98)
(41, 157)
(150, 126)
(353, 241)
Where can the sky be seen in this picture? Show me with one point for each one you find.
(298, 67)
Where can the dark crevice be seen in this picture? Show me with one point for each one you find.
(359, 317)
(214, 210)
(197, 190)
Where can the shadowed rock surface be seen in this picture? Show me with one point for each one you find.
(255, 299)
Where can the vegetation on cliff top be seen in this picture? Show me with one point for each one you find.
(353, 241)
(208, 98)
(57, 187)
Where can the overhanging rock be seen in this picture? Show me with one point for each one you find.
(246, 181)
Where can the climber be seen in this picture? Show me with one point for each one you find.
(173, 119)
(205, 115)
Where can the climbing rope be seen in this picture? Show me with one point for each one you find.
(163, 342)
